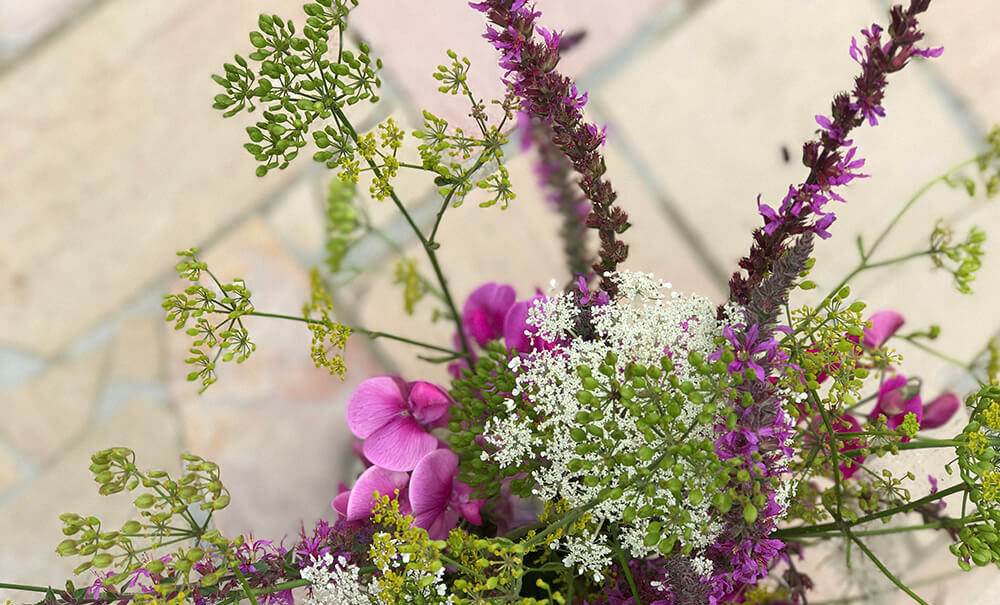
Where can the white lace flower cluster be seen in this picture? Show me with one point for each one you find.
(335, 582)
(640, 327)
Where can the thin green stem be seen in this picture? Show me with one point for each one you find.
(628, 576)
(897, 530)
(26, 587)
(885, 571)
(923, 444)
(866, 255)
(243, 582)
(370, 333)
(806, 531)
(898, 259)
(429, 248)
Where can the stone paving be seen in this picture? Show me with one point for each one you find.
(113, 159)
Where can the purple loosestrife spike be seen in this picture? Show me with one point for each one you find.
(830, 165)
(551, 97)
(554, 173)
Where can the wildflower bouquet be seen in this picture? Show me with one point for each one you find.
(610, 441)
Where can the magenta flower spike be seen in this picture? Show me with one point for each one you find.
(895, 400)
(392, 415)
(438, 497)
(940, 411)
(375, 479)
(484, 311)
(884, 325)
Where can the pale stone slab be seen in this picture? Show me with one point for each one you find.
(30, 523)
(25, 23)
(144, 165)
(967, 30)
(42, 416)
(136, 355)
(714, 128)
(10, 474)
(412, 40)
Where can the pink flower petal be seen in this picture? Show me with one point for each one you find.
(890, 397)
(437, 524)
(940, 411)
(374, 403)
(375, 479)
(428, 402)
(399, 444)
(432, 482)
(884, 325)
(515, 325)
(339, 503)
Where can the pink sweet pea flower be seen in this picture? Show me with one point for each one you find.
(484, 312)
(361, 497)
(940, 411)
(884, 325)
(391, 415)
(438, 497)
(339, 502)
(895, 400)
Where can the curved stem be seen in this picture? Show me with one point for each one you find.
(885, 571)
(429, 248)
(373, 334)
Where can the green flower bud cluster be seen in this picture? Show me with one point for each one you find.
(454, 180)
(674, 471)
(341, 223)
(295, 78)
(480, 395)
(225, 341)
(329, 338)
(167, 499)
(830, 351)
(978, 544)
(965, 257)
(988, 164)
(413, 288)
(492, 569)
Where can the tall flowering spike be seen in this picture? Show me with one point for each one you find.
(832, 159)
(551, 97)
(555, 172)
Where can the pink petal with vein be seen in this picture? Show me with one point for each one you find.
(375, 479)
(399, 444)
(374, 403)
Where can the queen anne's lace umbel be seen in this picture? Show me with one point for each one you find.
(644, 325)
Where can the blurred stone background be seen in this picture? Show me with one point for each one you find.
(112, 159)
